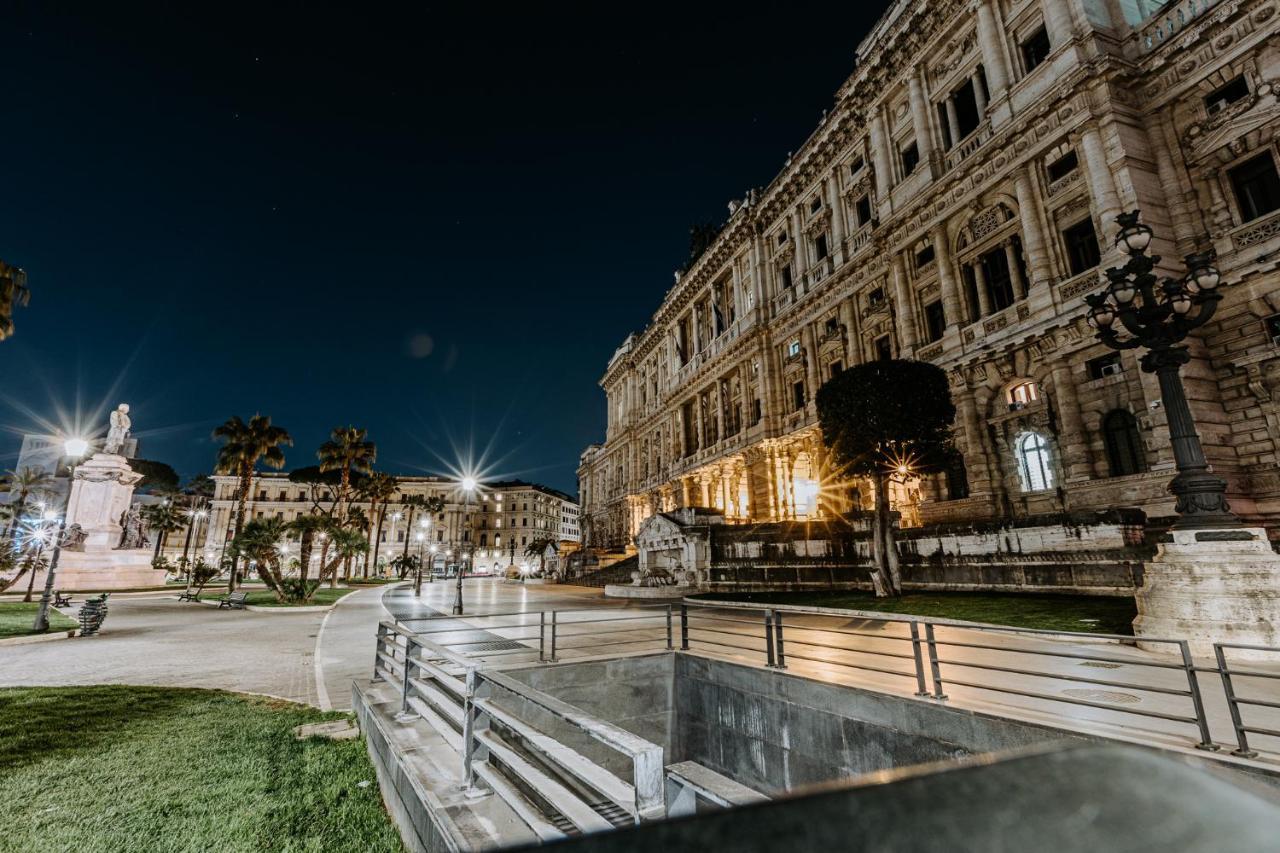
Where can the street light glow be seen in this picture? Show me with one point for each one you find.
(469, 484)
(75, 447)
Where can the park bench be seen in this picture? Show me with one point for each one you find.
(188, 595)
(234, 601)
(61, 599)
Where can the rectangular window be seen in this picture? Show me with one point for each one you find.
(966, 103)
(884, 349)
(924, 257)
(1104, 365)
(816, 204)
(863, 210)
(910, 158)
(1257, 187)
(971, 292)
(793, 348)
(1035, 50)
(875, 297)
(785, 272)
(756, 412)
(935, 320)
(831, 326)
(1082, 246)
(995, 267)
(797, 396)
(1226, 95)
(820, 246)
(836, 368)
(855, 165)
(1063, 166)
(782, 237)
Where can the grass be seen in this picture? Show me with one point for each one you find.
(159, 769)
(323, 596)
(1090, 613)
(16, 618)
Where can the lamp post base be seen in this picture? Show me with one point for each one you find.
(1209, 586)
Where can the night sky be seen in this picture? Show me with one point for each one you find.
(435, 223)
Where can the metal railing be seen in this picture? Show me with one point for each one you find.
(926, 656)
(461, 706)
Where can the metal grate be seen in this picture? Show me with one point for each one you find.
(490, 646)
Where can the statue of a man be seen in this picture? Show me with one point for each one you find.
(119, 431)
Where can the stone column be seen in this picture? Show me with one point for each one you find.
(980, 278)
(1015, 271)
(1058, 23)
(848, 317)
(976, 460)
(1101, 183)
(883, 161)
(979, 94)
(1072, 447)
(837, 217)
(992, 44)
(1163, 140)
(905, 307)
(951, 300)
(953, 120)
(811, 361)
(1033, 242)
(920, 118)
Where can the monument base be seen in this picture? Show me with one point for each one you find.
(1212, 586)
(80, 571)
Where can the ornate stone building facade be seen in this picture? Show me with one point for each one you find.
(955, 206)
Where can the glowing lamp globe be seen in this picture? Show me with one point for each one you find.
(75, 447)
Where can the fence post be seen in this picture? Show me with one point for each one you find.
(768, 639)
(669, 646)
(409, 645)
(1206, 739)
(1242, 739)
(933, 662)
(542, 635)
(777, 627)
(922, 689)
(377, 651)
(474, 721)
(553, 637)
(684, 627)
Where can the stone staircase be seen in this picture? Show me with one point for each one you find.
(619, 572)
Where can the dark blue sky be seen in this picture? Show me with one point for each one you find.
(434, 223)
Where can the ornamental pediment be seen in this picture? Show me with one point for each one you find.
(1260, 113)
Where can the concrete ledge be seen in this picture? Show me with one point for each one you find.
(40, 638)
(662, 593)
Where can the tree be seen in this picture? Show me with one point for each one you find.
(13, 293)
(24, 485)
(881, 419)
(379, 489)
(347, 543)
(163, 518)
(259, 543)
(244, 446)
(430, 505)
(538, 548)
(200, 485)
(307, 528)
(348, 449)
(157, 477)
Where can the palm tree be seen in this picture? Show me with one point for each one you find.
(24, 485)
(13, 292)
(259, 542)
(380, 488)
(538, 548)
(347, 543)
(429, 506)
(163, 518)
(348, 449)
(201, 485)
(244, 446)
(307, 527)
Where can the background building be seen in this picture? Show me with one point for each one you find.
(954, 206)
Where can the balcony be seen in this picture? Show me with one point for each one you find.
(1257, 232)
(969, 145)
(818, 273)
(1170, 21)
(1075, 288)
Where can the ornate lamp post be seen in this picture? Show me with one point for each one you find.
(74, 449)
(417, 577)
(1158, 316)
(468, 486)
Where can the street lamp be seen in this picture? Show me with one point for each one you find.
(73, 449)
(1158, 317)
(194, 516)
(417, 579)
(468, 486)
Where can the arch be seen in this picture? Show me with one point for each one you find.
(1120, 436)
(1035, 468)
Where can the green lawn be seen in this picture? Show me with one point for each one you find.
(323, 595)
(16, 618)
(1091, 613)
(158, 769)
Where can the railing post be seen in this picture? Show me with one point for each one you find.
(768, 639)
(542, 635)
(1242, 739)
(1206, 739)
(377, 651)
(669, 646)
(922, 689)
(474, 721)
(404, 685)
(553, 637)
(777, 628)
(932, 643)
(684, 627)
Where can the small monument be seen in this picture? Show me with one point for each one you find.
(105, 546)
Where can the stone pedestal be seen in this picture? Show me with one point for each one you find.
(1208, 586)
(101, 492)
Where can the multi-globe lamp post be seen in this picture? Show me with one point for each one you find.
(468, 485)
(1157, 316)
(74, 450)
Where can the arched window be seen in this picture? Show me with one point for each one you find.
(1023, 394)
(1033, 462)
(1124, 447)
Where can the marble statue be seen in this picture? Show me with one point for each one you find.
(119, 430)
(132, 535)
(73, 539)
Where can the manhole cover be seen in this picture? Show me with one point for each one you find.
(1100, 665)
(1102, 696)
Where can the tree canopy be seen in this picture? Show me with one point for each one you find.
(882, 413)
(156, 476)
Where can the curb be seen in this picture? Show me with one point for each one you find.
(258, 608)
(40, 638)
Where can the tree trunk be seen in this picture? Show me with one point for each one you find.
(246, 483)
(886, 580)
(408, 530)
(377, 537)
(304, 557)
(10, 584)
(31, 581)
